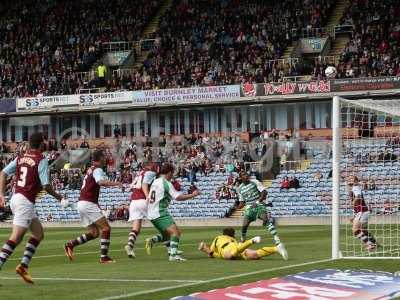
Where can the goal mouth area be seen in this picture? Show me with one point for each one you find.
(365, 179)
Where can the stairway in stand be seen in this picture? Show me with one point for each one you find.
(150, 29)
(339, 43)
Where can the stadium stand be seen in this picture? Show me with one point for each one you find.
(198, 42)
(376, 171)
(201, 43)
(43, 45)
(373, 47)
(204, 206)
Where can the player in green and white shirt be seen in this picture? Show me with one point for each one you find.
(160, 195)
(252, 195)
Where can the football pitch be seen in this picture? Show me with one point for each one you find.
(154, 277)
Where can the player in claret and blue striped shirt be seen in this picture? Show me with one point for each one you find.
(89, 210)
(31, 170)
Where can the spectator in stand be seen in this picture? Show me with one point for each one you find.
(117, 131)
(318, 176)
(84, 144)
(49, 218)
(192, 188)
(294, 183)
(101, 74)
(285, 184)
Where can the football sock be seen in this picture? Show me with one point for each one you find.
(174, 245)
(244, 233)
(132, 238)
(265, 251)
(272, 230)
(157, 238)
(105, 243)
(243, 246)
(84, 238)
(365, 237)
(30, 250)
(6, 251)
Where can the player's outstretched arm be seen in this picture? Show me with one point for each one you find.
(3, 181)
(7, 171)
(187, 196)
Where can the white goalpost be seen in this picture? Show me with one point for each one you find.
(365, 178)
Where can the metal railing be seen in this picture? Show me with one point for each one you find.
(291, 165)
(123, 72)
(252, 167)
(283, 62)
(89, 91)
(142, 45)
(86, 76)
(295, 78)
(327, 60)
(119, 46)
(310, 33)
(343, 29)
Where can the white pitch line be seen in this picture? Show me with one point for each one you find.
(104, 280)
(115, 250)
(89, 252)
(213, 280)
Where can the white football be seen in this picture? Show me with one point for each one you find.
(330, 72)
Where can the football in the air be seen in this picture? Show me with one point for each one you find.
(330, 72)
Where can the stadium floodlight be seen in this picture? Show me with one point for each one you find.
(365, 178)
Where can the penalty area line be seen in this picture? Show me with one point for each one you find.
(103, 279)
(174, 287)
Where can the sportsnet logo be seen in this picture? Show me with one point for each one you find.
(249, 89)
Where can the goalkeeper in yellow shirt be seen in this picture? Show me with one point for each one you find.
(225, 246)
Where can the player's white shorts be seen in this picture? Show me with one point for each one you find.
(89, 212)
(23, 210)
(138, 210)
(362, 217)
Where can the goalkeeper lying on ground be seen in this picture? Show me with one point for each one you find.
(225, 246)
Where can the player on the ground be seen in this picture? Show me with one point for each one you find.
(89, 210)
(361, 214)
(138, 206)
(226, 247)
(252, 195)
(31, 171)
(160, 196)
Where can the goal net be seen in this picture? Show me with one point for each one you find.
(366, 178)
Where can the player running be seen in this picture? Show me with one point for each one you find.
(90, 212)
(251, 196)
(361, 214)
(138, 206)
(32, 172)
(161, 194)
(226, 247)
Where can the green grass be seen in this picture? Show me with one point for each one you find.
(304, 243)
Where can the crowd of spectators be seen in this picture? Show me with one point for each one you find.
(44, 44)
(202, 43)
(373, 49)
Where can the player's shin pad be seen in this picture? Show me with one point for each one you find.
(265, 251)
